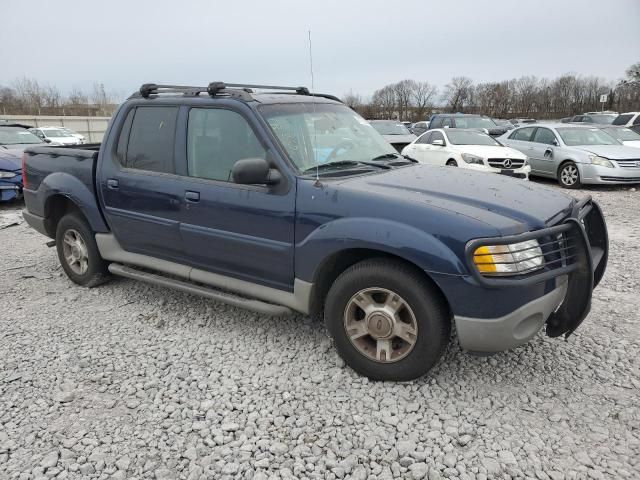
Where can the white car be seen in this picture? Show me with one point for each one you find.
(79, 136)
(628, 119)
(56, 135)
(624, 135)
(468, 149)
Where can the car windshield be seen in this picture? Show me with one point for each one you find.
(474, 122)
(17, 136)
(622, 119)
(623, 134)
(317, 134)
(465, 137)
(585, 136)
(605, 119)
(54, 132)
(390, 128)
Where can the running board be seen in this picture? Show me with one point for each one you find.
(230, 299)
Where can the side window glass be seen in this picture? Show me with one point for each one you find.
(637, 120)
(437, 123)
(447, 122)
(437, 136)
(123, 139)
(152, 139)
(523, 134)
(216, 140)
(544, 135)
(424, 138)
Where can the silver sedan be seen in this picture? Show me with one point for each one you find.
(575, 154)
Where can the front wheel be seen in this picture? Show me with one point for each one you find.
(388, 322)
(569, 175)
(78, 252)
(452, 163)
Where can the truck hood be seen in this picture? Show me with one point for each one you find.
(614, 152)
(510, 205)
(10, 159)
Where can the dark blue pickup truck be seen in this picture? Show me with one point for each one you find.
(275, 199)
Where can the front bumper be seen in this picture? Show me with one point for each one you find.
(595, 174)
(10, 189)
(576, 253)
(522, 172)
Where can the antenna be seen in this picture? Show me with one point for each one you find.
(313, 103)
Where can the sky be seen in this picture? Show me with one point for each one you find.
(356, 45)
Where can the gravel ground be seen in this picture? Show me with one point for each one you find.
(134, 381)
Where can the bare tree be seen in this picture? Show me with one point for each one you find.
(352, 100)
(77, 97)
(457, 92)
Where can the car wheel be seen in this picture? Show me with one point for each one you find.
(452, 163)
(569, 175)
(78, 252)
(387, 320)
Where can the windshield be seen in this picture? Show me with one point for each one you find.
(321, 133)
(465, 137)
(474, 122)
(17, 136)
(606, 119)
(51, 133)
(623, 134)
(390, 128)
(622, 119)
(585, 136)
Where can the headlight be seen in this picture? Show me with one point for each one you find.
(513, 259)
(8, 174)
(600, 161)
(467, 157)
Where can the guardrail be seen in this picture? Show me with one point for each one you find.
(92, 128)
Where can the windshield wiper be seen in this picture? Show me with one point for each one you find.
(394, 155)
(343, 163)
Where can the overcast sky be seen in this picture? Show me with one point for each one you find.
(359, 45)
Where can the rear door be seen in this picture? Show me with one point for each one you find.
(242, 231)
(542, 152)
(141, 199)
(520, 139)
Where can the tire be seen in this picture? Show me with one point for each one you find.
(420, 304)
(452, 163)
(569, 175)
(76, 240)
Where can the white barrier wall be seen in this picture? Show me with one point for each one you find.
(92, 128)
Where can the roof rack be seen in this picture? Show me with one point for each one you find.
(236, 90)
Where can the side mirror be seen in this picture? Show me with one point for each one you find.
(438, 143)
(46, 140)
(254, 171)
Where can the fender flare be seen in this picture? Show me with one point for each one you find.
(63, 184)
(409, 243)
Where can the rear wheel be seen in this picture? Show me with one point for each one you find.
(452, 163)
(78, 252)
(388, 322)
(569, 175)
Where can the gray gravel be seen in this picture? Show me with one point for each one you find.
(134, 381)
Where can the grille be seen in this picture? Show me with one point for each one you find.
(629, 163)
(499, 162)
(621, 179)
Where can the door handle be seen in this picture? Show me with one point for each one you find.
(113, 184)
(191, 196)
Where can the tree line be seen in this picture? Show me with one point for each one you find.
(527, 96)
(27, 96)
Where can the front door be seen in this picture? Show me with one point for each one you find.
(243, 231)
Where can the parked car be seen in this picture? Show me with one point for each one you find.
(392, 251)
(629, 119)
(56, 136)
(624, 135)
(596, 118)
(394, 132)
(575, 154)
(566, 120)
(75, 134)
(516, 122)
(461, 120)
(468, 149)
(14, 138)
(501, 122)
(419, 128)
